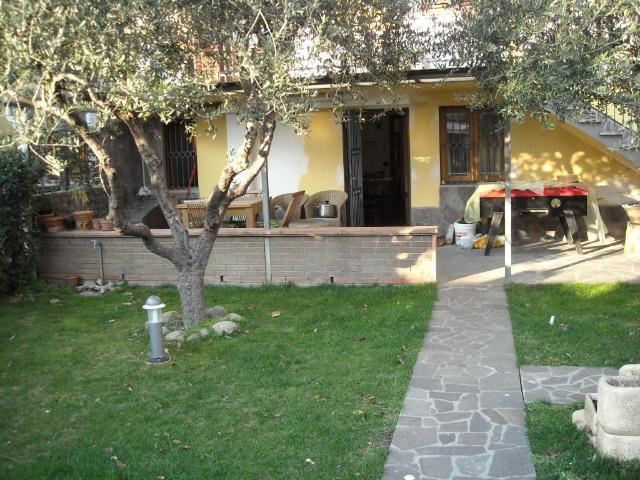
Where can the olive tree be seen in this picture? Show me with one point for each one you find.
(539, 56)
(137, 64)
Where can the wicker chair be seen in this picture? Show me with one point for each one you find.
(283, 201)
(335, 197)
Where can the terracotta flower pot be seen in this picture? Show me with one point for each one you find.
(40, 219)
(106, 224)
(95, 222)
(83, 219)
(53, 223)
(73, 280)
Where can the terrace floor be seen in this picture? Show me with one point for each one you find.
(548, 262)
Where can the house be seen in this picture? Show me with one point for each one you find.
(419, 164)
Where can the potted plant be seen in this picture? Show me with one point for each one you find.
(53, 223)
(106, 224)
(95, 222)
(80, 200)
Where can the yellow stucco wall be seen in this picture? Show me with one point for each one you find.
(424, 137)
(542, 154)
(212, 155)
(323, 148)
(321, 167)
(537, 154)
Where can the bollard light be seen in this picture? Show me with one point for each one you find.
(154, 307)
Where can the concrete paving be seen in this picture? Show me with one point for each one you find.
(463, 415)
(560, 385)
(539, 263)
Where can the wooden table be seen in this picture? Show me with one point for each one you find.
(247, 207)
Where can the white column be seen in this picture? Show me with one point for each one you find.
(507, 201)
(266, 223)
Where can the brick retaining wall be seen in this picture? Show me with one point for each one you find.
(303, 256)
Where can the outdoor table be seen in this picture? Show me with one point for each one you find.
(563, 202)
(247, 207)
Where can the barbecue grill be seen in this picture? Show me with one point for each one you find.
(566, 203)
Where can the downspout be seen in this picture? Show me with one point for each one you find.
(266, 221)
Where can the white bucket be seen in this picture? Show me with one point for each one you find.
(466, 231)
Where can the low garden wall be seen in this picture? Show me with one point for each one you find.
(304, 256)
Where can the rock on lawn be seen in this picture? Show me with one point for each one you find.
(172, 320)
(225, 327)
(217, 312)
(177, 336)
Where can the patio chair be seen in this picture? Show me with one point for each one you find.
(335, 197)
(284, 201)
(196, 211)
(293, 208)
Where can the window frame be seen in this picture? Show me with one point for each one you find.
(474, 174)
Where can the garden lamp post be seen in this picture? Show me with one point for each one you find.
(154, 307)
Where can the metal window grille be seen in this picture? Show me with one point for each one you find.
(180, 156)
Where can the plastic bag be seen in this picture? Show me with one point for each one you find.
(465, 243)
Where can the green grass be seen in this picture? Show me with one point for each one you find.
(595, 325)
(324, 381)
(562, 452)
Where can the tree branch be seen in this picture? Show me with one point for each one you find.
(116, 199)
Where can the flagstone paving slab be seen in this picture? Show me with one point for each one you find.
(560, 385)
(463, 415)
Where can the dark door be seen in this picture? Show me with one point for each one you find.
(353, 171)
(376, 160)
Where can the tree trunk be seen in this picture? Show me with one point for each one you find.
(190, 286)
(190, 260)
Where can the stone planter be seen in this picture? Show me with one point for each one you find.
(612, 417)
(83, 219)
(53, 223)
(619, 405)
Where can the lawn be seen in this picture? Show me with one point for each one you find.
(596, 325)
(562, 452)
(312, 393)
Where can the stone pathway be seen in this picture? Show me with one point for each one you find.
(463, 415)
(561, 385)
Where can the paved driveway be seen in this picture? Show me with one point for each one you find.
(538, 263)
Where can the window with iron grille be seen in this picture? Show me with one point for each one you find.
(179, 156)
(471, 145)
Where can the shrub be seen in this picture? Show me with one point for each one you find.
(18, 179)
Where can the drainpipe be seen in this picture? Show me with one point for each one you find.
(266, 222)
(98, 245)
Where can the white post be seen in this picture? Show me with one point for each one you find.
(507, 201)
(266, 222)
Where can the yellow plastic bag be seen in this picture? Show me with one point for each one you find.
(481, 242)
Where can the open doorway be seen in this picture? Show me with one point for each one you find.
(376, 157)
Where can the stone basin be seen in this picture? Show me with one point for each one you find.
(611, 418)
